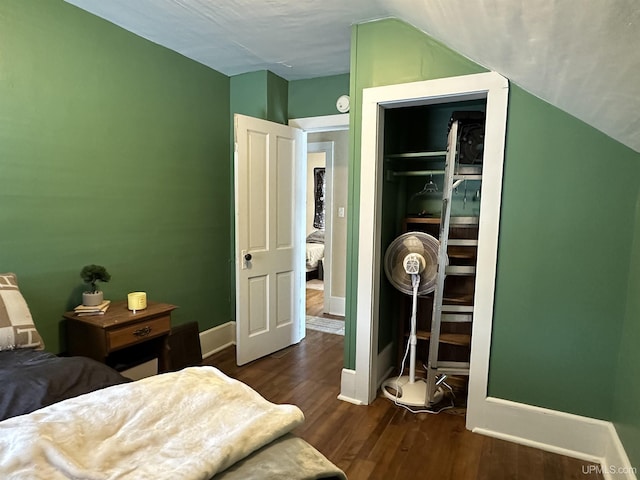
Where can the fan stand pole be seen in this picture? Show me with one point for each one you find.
(405, 390)
(413, 338)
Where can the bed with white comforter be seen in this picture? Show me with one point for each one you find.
(314, 250)
(197, 423)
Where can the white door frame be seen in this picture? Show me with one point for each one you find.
(494, 88)
(326, 123)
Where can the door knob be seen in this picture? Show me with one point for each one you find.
(247, 257)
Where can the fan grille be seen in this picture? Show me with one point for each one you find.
(412, 242)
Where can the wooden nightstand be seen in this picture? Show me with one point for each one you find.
(120, 335)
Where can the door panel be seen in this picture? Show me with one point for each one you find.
(285, 294)
(285, 221)
(257, 302)
(269, 237)
(258, 190)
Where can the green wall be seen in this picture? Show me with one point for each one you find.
(565, 240)
(265, 95)
(316, 97)
(248, 94)
(565, 237)
(386, 52)
(115, 151)
(626, 406)
(277, 99)
(260, 94)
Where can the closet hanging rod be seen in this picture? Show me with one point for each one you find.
(467, 177)
(417, 173)
(442, 153)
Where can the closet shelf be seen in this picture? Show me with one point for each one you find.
(465, 176)
(434, 154)
(461, 339)
(447, 307)
(416, 173)
(457, 317)
(458, 300)
(453, 221)
(423, 173)
(460, 270)
(462, 252)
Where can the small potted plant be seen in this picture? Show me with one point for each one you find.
(92, 274)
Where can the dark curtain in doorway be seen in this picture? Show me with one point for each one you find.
(319, 187)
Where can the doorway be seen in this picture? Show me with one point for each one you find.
(318, 226)
(360, 386)
(318, 216)
(328, 145)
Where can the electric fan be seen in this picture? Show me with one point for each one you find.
(470, 136)
(411, 265)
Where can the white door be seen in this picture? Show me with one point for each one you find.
(270, 169)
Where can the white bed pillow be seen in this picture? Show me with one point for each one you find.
(17, 329)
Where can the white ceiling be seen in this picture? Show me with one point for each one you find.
(581, 55)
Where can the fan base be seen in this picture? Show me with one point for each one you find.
(402, 391)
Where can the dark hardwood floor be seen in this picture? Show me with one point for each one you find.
(315, 302)
(381, 440)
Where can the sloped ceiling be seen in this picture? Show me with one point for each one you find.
(581, 55)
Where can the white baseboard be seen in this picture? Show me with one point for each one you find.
(217, 338)
(558, 432)
(348, 387)
(336, 306)
(348, 378)
(616, 462)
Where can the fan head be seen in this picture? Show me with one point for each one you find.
(471, 145)
(407, 249)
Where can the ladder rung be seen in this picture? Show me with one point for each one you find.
(468, 169)
(460, 270)
(453, 368)
(456, 317)
(457, 308)
(461, 242)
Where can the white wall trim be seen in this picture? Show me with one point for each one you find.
(558, 432)
(321, 124)
(615, 461)
(336, 305)
(348, 387)
(217, 338)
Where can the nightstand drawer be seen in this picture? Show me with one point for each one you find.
(130, 335)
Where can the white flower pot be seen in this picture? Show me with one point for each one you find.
(91, 299)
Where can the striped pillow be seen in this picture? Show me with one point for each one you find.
(17, 329)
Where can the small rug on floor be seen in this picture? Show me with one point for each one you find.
(315, 284)
(326, 325)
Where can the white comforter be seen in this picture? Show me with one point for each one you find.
(183, 425)
(315, 253)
